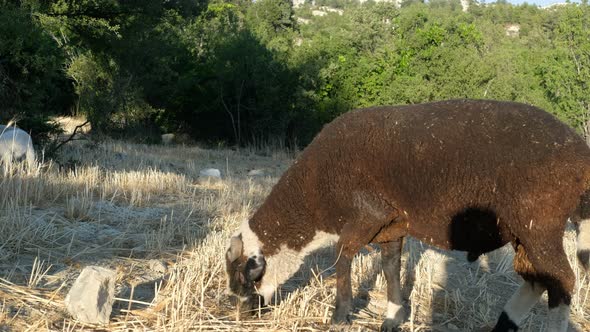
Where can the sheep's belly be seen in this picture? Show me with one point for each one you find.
(472, 230)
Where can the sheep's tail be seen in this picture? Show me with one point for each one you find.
(583, 230)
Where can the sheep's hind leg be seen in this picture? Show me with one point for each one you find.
(518, 306)
(554, 271)
(559, 297)
(524, 298)
(541, 271)
(391, 262)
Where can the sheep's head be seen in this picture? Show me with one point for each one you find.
(244, 273)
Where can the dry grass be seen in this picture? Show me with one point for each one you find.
(122, 206)
(69, 123)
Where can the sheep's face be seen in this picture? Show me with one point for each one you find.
(244, 272)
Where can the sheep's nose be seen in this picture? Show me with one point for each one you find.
(236, 300)
(233, 299)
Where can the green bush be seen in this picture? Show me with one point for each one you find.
(33, 84)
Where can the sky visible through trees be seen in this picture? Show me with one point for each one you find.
(540, 2)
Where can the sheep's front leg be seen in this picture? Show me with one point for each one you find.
(343, 304)
(391, 262)
(353, 237)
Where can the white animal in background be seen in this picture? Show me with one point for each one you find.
(16, 145)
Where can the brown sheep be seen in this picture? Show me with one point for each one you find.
(461, 175)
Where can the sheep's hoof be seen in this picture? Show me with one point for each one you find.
(342, 327)
(341, 318)
(472, 256)
(390, 325)
(505, 324)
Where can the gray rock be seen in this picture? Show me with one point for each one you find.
(158, 266)
(168, 139)
(91, 298)
(256, 172)
(210, 172)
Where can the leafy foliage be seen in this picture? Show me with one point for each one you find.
(239, 72)
(32, 84)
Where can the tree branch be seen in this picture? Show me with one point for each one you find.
(231, 116)
(71, 136)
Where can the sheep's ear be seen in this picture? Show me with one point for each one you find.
(235, 248)
(255, 267)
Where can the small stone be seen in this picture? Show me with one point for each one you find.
(256, 172)
(91, 298)
(158, 266)
(168, 139)
(210, 172)
(452, 326)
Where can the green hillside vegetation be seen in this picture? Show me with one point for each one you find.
(239, 72)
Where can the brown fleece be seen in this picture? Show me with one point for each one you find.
(461, 174)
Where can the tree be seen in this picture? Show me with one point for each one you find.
(565, 73)
(32, 82)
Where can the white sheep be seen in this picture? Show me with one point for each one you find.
(16, 145)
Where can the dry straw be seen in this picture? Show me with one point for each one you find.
(122, 205)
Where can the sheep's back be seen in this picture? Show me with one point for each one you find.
(429, 162)
(446, 154)
(15, 141)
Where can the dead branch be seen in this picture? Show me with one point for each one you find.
(71, 136)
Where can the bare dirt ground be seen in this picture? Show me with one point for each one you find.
(145, 212)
